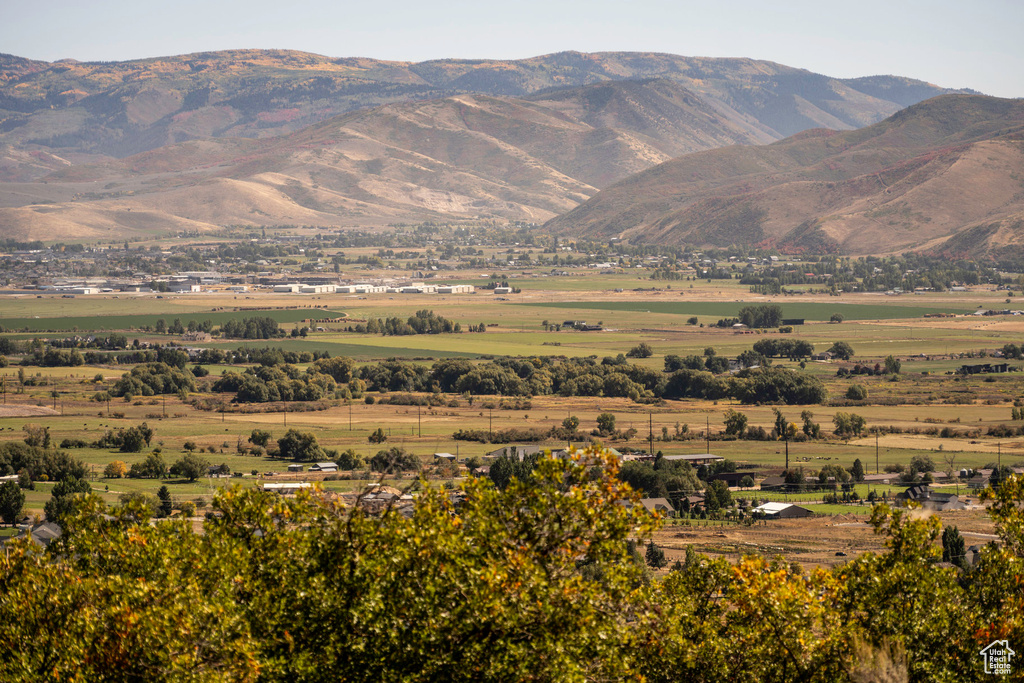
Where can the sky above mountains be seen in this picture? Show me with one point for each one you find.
(953, 44)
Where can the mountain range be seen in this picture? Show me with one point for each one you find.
(196, 142)
(943, 176)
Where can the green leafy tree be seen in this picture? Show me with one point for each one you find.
(761, 315)
(393, 460)
(841, 350)
(892, 365)
(507, 468)
(339, 367)
(810, 428)
(718, 490)
(300, 446)
(606, 423)
(37, 435)
(919, 464)
(848, 425)
(190, 466)
(260, 437)
(782, 429)
(348, 460)
(735, 423)
(153, 467)
(378, 436)
(63, 498)
(12, 498)
(641, 350)
(572, 423)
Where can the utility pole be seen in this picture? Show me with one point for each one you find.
(786, 433)
(707, 432)
(285, 414)
(350, 415)
(490, 426)
(165, 404)
(650, 431)
(419, 422)
(877, 471)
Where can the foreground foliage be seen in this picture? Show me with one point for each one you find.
(537, 580)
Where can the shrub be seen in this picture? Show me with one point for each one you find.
(856, 392)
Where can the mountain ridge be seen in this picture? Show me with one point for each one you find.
(462, 157)
(123, 108)
(914, 181)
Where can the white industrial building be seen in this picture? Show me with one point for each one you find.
(184, 287)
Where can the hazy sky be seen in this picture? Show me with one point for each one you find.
(957, 44)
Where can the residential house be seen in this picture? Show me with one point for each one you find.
(773, 483)
(658, 505)
(43, 534)
(929, 499)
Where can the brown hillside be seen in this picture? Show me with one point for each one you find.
(124, 108)
(917, 180)
(462, 156)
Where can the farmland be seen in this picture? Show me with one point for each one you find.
(926, 409)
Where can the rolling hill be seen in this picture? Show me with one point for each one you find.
(944, 176)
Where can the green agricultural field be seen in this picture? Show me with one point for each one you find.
(99, 323)
(726, 309)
